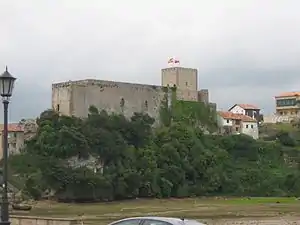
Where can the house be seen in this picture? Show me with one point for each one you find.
(287, 104)
(15, 138)
(246, 109)
(233, 123)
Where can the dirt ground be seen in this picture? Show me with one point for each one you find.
(215, 211)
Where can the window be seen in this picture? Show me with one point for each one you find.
(227, 121)
(252, 126)
(247, 126)
(128, 222)
(186, 83)
(57, 107)
(155, 222)
(286, 102)
(236, 129)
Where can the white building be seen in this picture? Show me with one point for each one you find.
(246, 109)
(233, 123)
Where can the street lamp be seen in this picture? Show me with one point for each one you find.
(6, 87)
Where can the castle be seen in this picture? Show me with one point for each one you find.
(75, 97)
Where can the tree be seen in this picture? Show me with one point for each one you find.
(118, 158)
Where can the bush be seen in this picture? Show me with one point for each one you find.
(133, 159)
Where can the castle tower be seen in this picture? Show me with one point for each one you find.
(203, 96)
(185, 79)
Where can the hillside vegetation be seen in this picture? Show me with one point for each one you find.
(108, 157)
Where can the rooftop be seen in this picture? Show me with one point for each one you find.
(234, 116)
(248, 106)
(13, 127)
(103, 82)
(288, 94)
(245, 106)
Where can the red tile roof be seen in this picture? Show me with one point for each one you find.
(248, 106)
(235, 116)
(245, 106)
(289, 94)
(13, 127)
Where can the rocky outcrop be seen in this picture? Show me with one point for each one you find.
(91, 163)
(30, 128)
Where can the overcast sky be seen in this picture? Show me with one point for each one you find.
(246, 51)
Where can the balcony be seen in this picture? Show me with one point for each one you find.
(288, 107)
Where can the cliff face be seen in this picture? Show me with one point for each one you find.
(30, 128)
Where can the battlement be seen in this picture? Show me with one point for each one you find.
(102, 83)
(204, 90)
(179, 69)
(61, 84)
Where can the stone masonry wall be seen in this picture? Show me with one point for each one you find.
(61, 97)
(75, 98)
(32, 220)
(183, 78)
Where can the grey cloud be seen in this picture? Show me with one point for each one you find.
(280, 79)
(246, 51)
(28, 101)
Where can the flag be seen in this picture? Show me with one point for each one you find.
(171, 60)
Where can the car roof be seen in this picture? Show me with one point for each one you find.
(172, 220)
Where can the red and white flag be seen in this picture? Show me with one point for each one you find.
(171, 60)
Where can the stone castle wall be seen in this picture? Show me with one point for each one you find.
(74, 98)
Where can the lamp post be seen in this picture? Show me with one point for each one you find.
(6, 87)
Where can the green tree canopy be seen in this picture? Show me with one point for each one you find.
(106, 157)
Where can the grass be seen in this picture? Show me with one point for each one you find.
(288, 127)
(270, 129)
(197, 208)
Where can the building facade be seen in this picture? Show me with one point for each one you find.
(287, 104)
(75, 97)
(15, 139)
(233, 123)
(246, 109)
